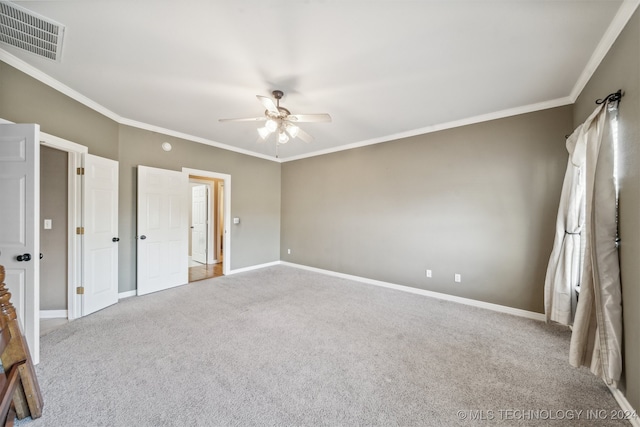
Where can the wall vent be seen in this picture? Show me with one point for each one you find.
(29, 31)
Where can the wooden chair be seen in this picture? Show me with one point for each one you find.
(19, 389)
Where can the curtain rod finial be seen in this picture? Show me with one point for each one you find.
(612, 97)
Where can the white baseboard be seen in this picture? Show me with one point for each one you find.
(53, 314)
(438, 295)
(625, 406)
(253, 267)
(127, 294)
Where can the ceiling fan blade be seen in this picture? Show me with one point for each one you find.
(304, 136)
(269, 104)
(309, 118)
(248, 119)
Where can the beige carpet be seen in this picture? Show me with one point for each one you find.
(282, 346)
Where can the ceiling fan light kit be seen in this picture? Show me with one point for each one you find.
(279, 120)
(264, 132)
(283, 138)
(271, 125)
(292, 130)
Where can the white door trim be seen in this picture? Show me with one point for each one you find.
(74, 216)
(226, 262)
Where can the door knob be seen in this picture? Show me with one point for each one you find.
(115, 239)
(143, 237)
(24, 257)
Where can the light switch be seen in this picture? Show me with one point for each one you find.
(236, 220)
(47, 224)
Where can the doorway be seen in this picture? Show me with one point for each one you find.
(53, 236)
(73, 218)
(219, 221)
(206, 245)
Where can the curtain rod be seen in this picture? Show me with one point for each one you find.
(612, 97)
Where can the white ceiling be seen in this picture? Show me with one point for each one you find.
(382, 68)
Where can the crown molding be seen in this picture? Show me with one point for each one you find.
(186, 136)
(77, 96)
(441, 126)
(32, 71)
(618, 23)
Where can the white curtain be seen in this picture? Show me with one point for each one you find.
(565, 262)
(585, 251)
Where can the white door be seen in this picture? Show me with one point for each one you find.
(100, 249)
(163, 227)
(199, 220)
(19, 225)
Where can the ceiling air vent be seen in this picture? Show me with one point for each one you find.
(29, 31)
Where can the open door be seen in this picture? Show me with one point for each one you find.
(199, 223)
(100, 249)
(19, 224)
(163, 227)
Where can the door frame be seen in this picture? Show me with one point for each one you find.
(226, 255)
(75, 154)
(219, 230)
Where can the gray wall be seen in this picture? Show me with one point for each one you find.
(479, 200)
(255, 195)
(26, 100)
(53, 242)
(621, 70)
(255, 183)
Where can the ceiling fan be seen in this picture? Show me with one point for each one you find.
(280, 121)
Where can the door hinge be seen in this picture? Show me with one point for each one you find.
(79, 230)
(80, 290)
(80, 171)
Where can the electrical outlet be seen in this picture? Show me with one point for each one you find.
(428, 273)
(457, 278)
